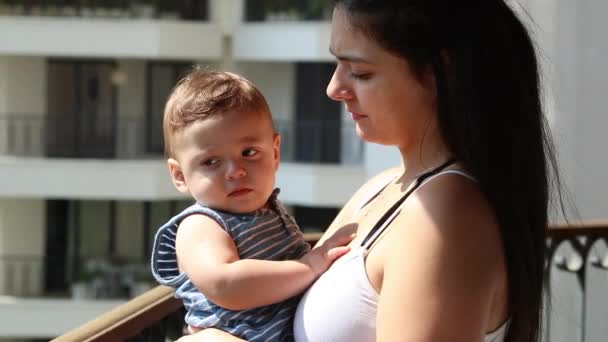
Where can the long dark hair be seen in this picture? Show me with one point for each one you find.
(490, 115)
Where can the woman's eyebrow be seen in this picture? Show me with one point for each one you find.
(349, 57)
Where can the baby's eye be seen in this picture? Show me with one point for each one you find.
(250, 152)
(211, 162)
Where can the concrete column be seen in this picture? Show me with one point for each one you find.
(22, 239)
(130, 79)
(227, 14)
(23, 82)
(276, 80)
(129, 230)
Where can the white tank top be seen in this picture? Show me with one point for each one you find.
(341, 305)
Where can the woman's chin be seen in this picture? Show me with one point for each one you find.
(367, 136)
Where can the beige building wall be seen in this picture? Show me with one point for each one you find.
(22, 249)
(23, 83)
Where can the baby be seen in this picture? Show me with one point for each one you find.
(236, 258)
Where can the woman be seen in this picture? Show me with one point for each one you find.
(449, 246)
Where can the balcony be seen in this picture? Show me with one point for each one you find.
(577, 268)
(120, 29)
(61, 296)
(116, 9)
(287, 10)
(65, 136)
(73, 153)
(293, 30)
(82, 278)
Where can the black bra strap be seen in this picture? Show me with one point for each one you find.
(382, 222)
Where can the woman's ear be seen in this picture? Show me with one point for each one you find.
(277, 150)
(177, 176)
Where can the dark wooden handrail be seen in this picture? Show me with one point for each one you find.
(128, 319)
(133, 317)
(587, 228)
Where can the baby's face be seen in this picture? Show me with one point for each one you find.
(229, 161)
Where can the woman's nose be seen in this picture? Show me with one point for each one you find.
(235, 171)
(337, 89)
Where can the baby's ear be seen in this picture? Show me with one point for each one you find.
(277, 150)
(177, 176)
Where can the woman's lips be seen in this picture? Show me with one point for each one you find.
(357, 116)
(239, 192)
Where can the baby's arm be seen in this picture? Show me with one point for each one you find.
(210, 258)
(210, 335)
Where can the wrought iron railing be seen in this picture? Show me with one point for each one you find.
(577, 266)
(577, 255)
(319, 141)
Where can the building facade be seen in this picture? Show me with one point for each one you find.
(82, 89)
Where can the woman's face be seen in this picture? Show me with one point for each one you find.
(388, 103)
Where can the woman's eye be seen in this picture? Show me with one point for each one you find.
(211, 162)
(360, 76)
(250, 152)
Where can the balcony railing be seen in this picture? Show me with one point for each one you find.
(577, 265)
(85, 277)
(117, 9)
(319, 141)
(65, 136)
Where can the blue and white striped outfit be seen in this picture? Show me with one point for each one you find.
(268, 234)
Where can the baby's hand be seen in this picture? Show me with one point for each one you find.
(321, 257)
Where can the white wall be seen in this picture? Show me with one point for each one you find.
(287, 42)
(53, 317)
(573, 46)
(22, 246)
(86, 179)
(590, 165)
(95, 37)
(23, 82)
(276, 81)
(140, 180)
(318, 185)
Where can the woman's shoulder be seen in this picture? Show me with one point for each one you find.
(444, 248)
(451, 210)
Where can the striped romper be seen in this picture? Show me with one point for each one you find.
(269, 234)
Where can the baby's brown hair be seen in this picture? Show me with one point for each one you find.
(203, 93)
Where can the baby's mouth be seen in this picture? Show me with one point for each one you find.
(239, 192)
